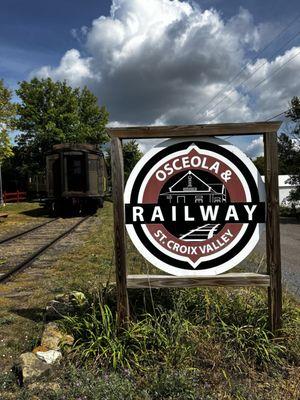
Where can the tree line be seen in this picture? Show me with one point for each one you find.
(49, 112)
(288, 152)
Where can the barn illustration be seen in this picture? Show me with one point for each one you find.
(190, 189)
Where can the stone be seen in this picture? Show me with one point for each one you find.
(50, 357)
(56, 309)
(40, 348)
(51, 337)
(67, 340)
(65, 304)
(31, 368)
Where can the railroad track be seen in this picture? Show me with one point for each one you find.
(19, 251)
(19, 234)
(201, 233)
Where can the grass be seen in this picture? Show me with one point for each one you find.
(19, 215)
(181, 344)
(171, 334)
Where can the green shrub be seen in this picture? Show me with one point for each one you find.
(252, 344)
(183, 328)
(98, 337)
(171, 341)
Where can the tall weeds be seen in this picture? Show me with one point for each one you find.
(184, 327)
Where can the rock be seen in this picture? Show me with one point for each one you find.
(65, 304)
(40, 348)
(67, 340)
(56, 309)
(31, 367)
(50, 356)
(41, 360)
(52, 337)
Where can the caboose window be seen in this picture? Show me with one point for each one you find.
(76, 178)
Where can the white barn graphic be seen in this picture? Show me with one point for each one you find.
(191, 189)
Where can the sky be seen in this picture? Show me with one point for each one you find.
(160, 62)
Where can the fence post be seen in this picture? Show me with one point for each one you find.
(273, 231)
(117, 171)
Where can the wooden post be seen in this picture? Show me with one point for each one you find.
(273, 231)
(117, 172)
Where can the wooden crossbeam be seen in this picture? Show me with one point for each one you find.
(151, 132)
(169, 281)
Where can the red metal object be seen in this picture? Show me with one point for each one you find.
(14, 197)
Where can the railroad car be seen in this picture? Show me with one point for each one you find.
(76, 179)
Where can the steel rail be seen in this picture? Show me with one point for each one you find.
(17, 235)
(29, 260)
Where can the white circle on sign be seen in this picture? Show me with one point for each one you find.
(194, 206)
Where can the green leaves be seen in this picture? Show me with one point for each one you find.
(53, 112)
(7, 115)
(251, 343)
(294, 111)
(99, 338)
(187, 327)
(131, 155)
(290, 153)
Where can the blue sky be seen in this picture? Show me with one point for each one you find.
(160, 61)
(35, 32)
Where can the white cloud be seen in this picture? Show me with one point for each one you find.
(255, 148)
(73, 67)
(161, 61)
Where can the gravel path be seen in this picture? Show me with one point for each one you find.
(290, 254)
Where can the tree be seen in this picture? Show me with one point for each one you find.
(7, 114)
(53, 112)
(288, 157)
(131, 155)
(14, 172)
(259, 162)
(294, 111)
(292, 150)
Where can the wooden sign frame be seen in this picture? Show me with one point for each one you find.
(272, 280)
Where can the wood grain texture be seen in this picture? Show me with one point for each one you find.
(194, 130)
(169, 281)
(273, 231)
(119, 230)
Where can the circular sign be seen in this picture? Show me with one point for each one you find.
(194, 206)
